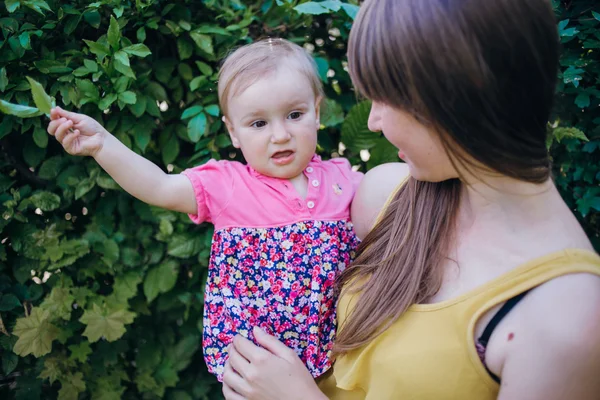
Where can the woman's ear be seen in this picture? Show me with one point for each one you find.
(234, 140)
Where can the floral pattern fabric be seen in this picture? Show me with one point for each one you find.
(280, 279)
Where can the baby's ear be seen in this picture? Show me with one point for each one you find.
(318, 110)
(232, 135)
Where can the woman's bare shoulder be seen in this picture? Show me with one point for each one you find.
(375, 188)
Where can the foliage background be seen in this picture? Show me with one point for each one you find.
(100, 294)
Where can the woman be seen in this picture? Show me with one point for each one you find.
(476, 282)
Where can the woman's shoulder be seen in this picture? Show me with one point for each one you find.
(375, 189)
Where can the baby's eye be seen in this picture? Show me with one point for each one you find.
(295, 115)
(258, 124)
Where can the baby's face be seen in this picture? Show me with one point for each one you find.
(274, 122)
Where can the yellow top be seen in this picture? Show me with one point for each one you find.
(429, 353)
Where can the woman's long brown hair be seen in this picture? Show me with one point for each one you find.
(479, 73)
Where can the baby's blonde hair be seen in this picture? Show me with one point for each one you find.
(254, 61)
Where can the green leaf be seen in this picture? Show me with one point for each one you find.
(97, 48)
(122, 57)
(92, 17)
(71, 24)
(582, 100)
(572, 75)
(139, 107)
(204, 68)
(19, 110)
(183, 246)
(84, 187)
(40, 137)
(114, 33)
(80, 352)
(197, 127)
(35, 333)
(196, 82)
(142, 137)
(105, 323)
(92, 66)
(139, 50)
(32, 154)
(322, 68)
(355, 132)
(125, 286)
(46, 201)
(156, 90)
(52, 369)
(222, 141)
(596, 15)
(161, 279)
(59, 303)
(185, 48)
(71, 387)
(51, 167)
(574, 133)
(109, 250)
(3, 79)
(12, 5)
(9, 302)
(124, 69)
(128, 97)
(204, 42)
(170, 150)
(351, 10)
(107, 101)
(213, 110)
(41, 99)
(332, 5)
(9, 362)
(332, 113)
(311, 7)
(191, 112)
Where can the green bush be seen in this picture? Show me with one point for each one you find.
(101, 295)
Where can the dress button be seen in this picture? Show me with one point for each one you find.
(309, 169)
(315, 183)
(310, 204)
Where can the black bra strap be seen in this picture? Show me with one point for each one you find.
(489, 329)
(504, 310)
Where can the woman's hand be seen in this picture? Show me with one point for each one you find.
(271, 373)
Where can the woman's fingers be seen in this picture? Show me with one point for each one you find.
(234, 382)
(273, 345)
(237, 361)
(230, 394)
(249, 350)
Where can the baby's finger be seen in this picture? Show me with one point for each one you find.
(62, 130)
(54, 114)
(53, 125)
(70, 138)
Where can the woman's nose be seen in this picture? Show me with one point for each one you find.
(374, 122)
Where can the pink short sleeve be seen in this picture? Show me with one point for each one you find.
(346, 169)
(212, 183)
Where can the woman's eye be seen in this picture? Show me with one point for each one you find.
(295, 115)
(258, 124)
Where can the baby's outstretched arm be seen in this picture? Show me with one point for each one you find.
(83, 136)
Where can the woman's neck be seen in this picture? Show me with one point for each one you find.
(508, 202)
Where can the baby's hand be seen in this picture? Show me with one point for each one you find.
(79, 134)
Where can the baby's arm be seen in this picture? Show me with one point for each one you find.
(82, 135)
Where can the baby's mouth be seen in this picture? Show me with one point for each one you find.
(282, 154)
